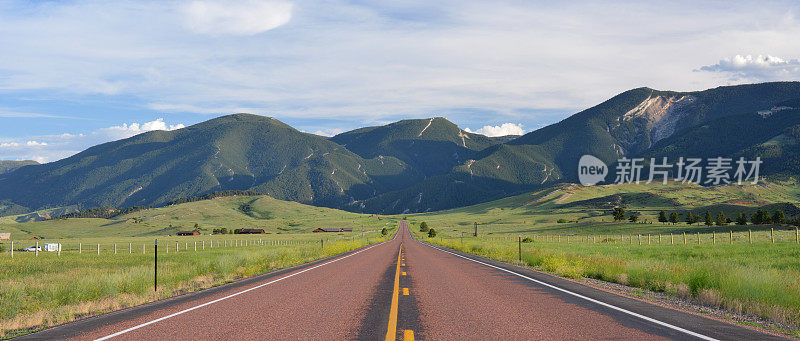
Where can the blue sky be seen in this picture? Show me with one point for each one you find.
(78, 73)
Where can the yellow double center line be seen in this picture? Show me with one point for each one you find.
(391, 332)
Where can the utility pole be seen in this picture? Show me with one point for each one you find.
(476, 229)
(519, 240)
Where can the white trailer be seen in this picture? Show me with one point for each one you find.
(52, 247)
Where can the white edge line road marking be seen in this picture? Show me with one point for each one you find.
(231, 295)
(650, 319)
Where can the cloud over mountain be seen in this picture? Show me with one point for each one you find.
(761, 67)
(501, 130)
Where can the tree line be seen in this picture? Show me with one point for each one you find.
(759, 217)
(108, 212)
(104, 212)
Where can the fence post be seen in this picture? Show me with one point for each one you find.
(195, 246)
(698, 238)
(37, 248)
(750, 236)
(155, 266)
(79, 248)
(714, 237)
(519, 240)
(143, 245)
(130, 247)
(731, 232)
(12, 249)
(115, 248)
(672, 239)
(98, 249)
(684, 237)
(204, 245)
(796, 236)
(772, 234)
(59, 249)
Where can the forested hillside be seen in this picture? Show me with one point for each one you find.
(412, 165)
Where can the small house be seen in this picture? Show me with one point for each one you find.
(337, 229)
(5, 236)
(189, 233)
(251, 231)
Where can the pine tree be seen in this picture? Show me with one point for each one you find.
(673, 218)
(662, 217)
(619, 213)
(721, 219)
(778, 217)
(634, 217)
(423, 227)
(741, 219)
(709, 221)
(690, 219)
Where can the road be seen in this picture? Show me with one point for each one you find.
(401, 289)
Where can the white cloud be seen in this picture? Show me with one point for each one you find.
(501, 130)
(758, 68)
(128, 130)
(235, 17)
(48, 148)
(329, 132)
(17, 144)
(375, 61)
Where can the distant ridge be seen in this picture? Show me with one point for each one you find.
(414, 165)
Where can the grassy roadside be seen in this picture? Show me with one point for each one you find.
(38, 292)
(761, 279)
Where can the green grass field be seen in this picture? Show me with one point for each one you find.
(44, 290)
(587, 210)
(751, 274)
(760, 278)
(571, 226)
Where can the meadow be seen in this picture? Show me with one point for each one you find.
(753, 269)
(37, 291)
(48, 289)
(761, 278)
(746, 268)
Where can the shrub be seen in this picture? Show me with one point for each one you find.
(562, 221)
(431, 233)
(527, 240)
(384, 231)
(423, 227)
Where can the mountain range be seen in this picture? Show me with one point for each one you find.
(412, 165)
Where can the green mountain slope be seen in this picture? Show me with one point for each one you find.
(231, 152)
(413, 165)
(7, 166)
(430, 146)
(628, 124)
(632, 122)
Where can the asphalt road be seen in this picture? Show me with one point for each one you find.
(401, 289)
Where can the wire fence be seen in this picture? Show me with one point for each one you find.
(170, 244)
